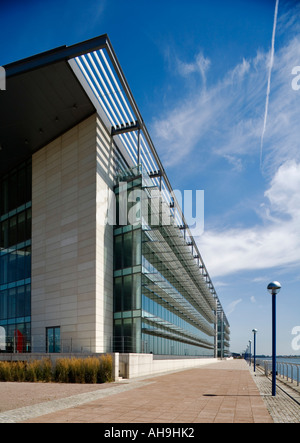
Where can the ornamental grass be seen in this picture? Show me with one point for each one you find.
(65, 370)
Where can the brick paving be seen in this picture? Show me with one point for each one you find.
(283, 408)
(223, 392)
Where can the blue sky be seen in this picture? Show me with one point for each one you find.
(199, 72)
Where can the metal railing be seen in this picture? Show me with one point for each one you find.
(40, 344)
(286, 370)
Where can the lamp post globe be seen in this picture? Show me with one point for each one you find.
(274, 287)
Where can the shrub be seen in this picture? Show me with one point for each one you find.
(87, 370)
(12, 371)
(34, 371)
(61, 373)
(105, 373)
(5, 371)
(18, 371)
(66, 370)
(39, 370)
(76, 372)
(47, 370)
(91, 369)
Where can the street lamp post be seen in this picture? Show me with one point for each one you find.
(250, 352)
(254, 350)
(274, 287)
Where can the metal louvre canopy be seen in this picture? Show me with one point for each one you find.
(180, 248)
(169, 253)
(165, 334)
(172, 250)
(179, 278)
(165, 329)
(155, 285)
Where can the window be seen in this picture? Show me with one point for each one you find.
(118, 252)
(127, 250)
(127, 293)
(118, 294)
(53, 339)
(137, 247)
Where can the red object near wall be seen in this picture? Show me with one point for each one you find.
(19, 340)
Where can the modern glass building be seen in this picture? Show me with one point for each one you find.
(95, 252)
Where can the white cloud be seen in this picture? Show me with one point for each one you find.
(282, 136)
(231, 307)
(274, 243)
(284, 193)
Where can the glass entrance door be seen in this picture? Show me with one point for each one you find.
(53, 339)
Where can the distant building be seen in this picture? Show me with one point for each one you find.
(76, 274)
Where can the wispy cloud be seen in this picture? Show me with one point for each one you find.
(224, 119)
(200, 65)
(199, 115)
(231, 307)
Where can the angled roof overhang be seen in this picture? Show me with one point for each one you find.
(43, 98)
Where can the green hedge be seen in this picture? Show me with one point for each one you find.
(65, 370)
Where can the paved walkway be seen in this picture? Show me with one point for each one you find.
(223, 392)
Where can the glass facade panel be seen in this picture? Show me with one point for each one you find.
(127, 250)
(127, 293)
(118, 252)
(15, 258)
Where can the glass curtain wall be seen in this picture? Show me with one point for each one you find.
(127, 279)
(152, 312)
(223, 335)
(15, 259)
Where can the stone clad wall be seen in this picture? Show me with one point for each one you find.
(72, 270)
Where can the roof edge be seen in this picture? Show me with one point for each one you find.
(55, 55)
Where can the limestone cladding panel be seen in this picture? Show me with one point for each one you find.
(106, 170)
(72, 270)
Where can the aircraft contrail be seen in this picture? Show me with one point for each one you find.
(269, 81)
